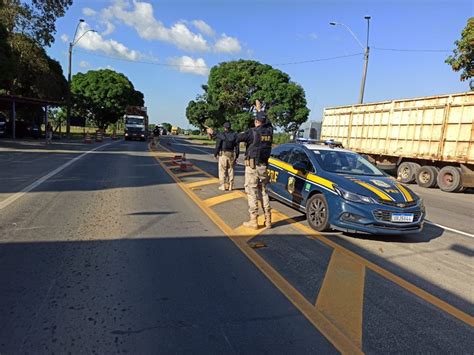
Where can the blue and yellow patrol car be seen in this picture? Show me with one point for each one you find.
(339, 189)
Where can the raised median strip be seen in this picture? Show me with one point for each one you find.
(337, 311)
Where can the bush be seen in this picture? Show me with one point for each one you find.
(280, 138)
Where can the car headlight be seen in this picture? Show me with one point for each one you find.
(351, 196)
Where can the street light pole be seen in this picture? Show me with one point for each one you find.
(68, 102)
(366, 63)
(366, 54)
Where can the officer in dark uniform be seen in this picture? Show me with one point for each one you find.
(227, 151)
(259, 145)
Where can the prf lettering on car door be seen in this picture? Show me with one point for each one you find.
(272, 175)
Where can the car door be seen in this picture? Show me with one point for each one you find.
(277, 171)
(297, 186)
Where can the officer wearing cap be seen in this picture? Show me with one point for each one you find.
(259, 144)
(227, 151)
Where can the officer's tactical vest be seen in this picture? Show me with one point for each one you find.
(228, 144)
(261, 144)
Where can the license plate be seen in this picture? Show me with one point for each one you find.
(402, 217)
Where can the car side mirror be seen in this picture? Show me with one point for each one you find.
(300, 166)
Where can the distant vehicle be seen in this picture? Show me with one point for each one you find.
(136, 123)
(309, 131)
(429, 140)
(174, 130)
(340, 189)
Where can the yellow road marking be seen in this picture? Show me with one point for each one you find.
(189, 173)
(222, 198)
(317, 318)
(341, 296)
(192, 185)
(334, 335)
(435, 301)
(241, 230)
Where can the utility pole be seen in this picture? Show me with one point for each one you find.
(366, 54)
(366, 63)
(68, 102)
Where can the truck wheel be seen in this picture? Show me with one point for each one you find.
(317, 213)
(406, 172)
(427, 176)
(450, 179)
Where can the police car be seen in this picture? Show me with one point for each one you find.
(339, 189)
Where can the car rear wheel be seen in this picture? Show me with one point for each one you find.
(317, 213)
(427, 176)
(450, 179)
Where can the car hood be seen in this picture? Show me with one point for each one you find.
(381, 188)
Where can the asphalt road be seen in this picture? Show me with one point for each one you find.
(109, 256)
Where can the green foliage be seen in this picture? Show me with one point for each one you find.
(103, 95)
(462, 59)
(34, 18)
(167, 126)
(280, 138)
(197, 113)
(25, 68)
(234, 86)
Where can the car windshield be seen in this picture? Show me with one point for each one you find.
(134, 120)
(345, 163)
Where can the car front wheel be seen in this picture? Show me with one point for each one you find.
(317, 213)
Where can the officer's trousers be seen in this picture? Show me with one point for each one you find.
(226, 168)
(256, 181)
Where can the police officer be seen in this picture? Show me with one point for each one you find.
(227, 151)
(259, 144)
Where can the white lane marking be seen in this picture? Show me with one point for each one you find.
(451, 229)
(38, 182)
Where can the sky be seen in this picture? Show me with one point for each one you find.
(166, 47)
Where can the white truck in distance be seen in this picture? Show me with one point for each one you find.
(136, 123)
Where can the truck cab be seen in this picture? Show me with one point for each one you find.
(309, 132)
(135, 127)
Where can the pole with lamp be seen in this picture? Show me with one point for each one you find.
(366, 53)
(71, 45)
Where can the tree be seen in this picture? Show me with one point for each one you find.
(36, 74)
(103, 95)
(197, 113)
(34, 18)
(167, 126)
(233, 87)
(463, 55)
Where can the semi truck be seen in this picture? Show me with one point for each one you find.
(136, 123)
(308, 132)
(427, 140)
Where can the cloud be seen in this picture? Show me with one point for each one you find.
(140, 17)
(313, 36)
(227, 44)
(84, 64)
(94, 41)
(64, 38)
(204, 28)
(187, 64)
(87, 11)
(109, 28)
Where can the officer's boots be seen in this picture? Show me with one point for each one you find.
(252, 223)
(268, 220)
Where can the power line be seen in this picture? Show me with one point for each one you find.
(205, 67)
(410, 50)
(318, 60)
